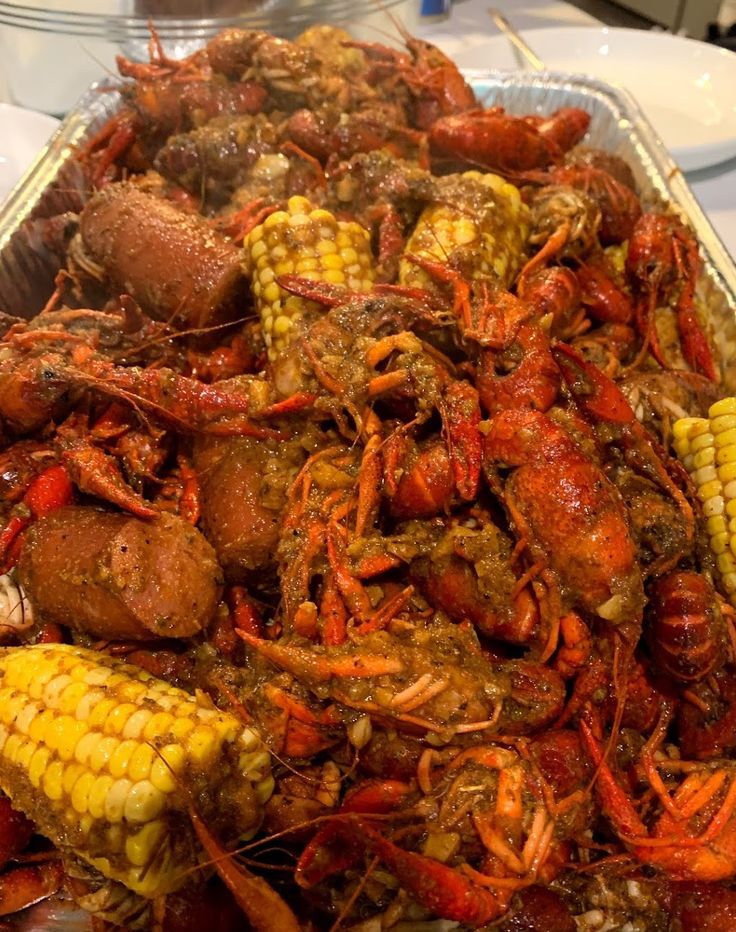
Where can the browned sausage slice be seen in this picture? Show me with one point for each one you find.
(117, 577)
(235, 519)
(173, 263)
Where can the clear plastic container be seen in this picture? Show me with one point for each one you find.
(50, 54)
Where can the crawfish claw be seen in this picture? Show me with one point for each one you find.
(594, 391)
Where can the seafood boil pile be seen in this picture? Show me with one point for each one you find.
(367, 493)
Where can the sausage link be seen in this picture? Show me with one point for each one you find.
(118, 577)
(173, 263)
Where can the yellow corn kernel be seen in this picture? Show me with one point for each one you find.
(25, 753)
(726, 438)
(97, 676)
(132, 691)
(139, 766)
(115, 721)
(726, 563)
(40, 725)
(99, 713)
(684, 425)
(699, 441)
(720, 542)
(38, 764)
(102, 752)
(181, 728)
(120, 758)
(721, 424)
(167, 767)
(98, 796)
(12, 746)
(706, 474)
(144, 802)
(116, 798)
(201, 743)
(52, 779)
(35, 690)
(72, 772)
(81, 791)
(727, 472)
(709, 489)
(86, 746)
(70, 698)
(64, 734)
(706, 457)
(725, 406)
(158, 724)
(716, 525)
(25, 717)
(93, 698)
(53, 690)
(138, 847)
(133, 728)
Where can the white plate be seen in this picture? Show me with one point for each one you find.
(686, 88)
(23, 133)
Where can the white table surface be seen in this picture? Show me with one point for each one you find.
(469, 23)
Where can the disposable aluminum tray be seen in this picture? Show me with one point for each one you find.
(55, 184)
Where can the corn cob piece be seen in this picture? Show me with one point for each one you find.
(707, 449)
(480, 227)
(104, 758)
(310, 242)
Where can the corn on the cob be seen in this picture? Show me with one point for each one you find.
(310, 242)
(480, 228)
(707, 449)
(104, 758)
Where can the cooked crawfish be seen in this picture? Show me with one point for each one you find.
(494, 140)
(567, 513)
(663, 261)
(692, 838)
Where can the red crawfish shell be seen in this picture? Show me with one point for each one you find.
(685, 626)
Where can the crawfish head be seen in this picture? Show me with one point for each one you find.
(33, 390)
(659, 248)
(556, 204)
